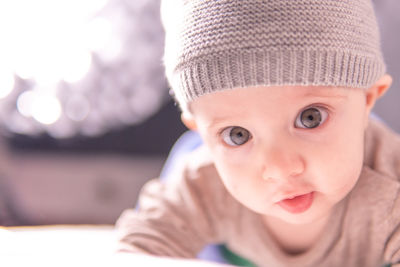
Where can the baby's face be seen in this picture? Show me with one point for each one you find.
(288, 152)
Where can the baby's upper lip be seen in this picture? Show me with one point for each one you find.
(290, 195)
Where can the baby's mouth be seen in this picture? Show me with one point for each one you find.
(297, 204)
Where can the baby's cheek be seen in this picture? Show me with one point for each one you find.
(238, 180)
(231, 176)
(337, 167)
(340, 181)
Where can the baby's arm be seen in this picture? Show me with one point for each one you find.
(392, 249)
(177, 219)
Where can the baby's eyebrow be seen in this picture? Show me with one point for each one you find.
(216, 121)
(326, 96)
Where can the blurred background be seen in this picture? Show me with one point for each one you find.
(85, 116)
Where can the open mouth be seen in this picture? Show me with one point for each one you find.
(297, 204)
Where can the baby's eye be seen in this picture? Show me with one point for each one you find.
(235, 136)
(311, 118)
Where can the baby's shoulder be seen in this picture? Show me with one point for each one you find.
(200, 166)
(196, 168)
(377, 193)
(198, 175)
(382, 150)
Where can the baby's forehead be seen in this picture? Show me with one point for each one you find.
(317, 91)
(273, 100)
(280, 92)
(273, 97)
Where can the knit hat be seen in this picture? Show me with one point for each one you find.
(215, 45)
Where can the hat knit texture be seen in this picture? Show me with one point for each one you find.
(215, 45)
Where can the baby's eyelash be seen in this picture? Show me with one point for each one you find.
(219, 132)
(323, 106)
(318, 105)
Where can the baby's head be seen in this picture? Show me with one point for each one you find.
(280, 92)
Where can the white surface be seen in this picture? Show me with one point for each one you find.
(73, 246)
(33, 246)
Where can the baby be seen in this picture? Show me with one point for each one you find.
(292, 172)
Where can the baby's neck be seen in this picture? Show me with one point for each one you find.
(295, 238)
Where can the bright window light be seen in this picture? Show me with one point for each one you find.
(43, 37)
(76, 65)
(98, 33)
(71, 67)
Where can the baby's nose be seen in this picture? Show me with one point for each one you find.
(282, 162)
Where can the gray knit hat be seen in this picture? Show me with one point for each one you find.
(214, 45)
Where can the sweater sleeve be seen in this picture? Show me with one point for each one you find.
(392, 248)
(178, 218)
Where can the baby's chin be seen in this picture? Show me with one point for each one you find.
(303, 219)
(300, 219)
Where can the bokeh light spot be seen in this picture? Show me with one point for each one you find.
(46, 109)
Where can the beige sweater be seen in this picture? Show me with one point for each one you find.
(195, 209)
